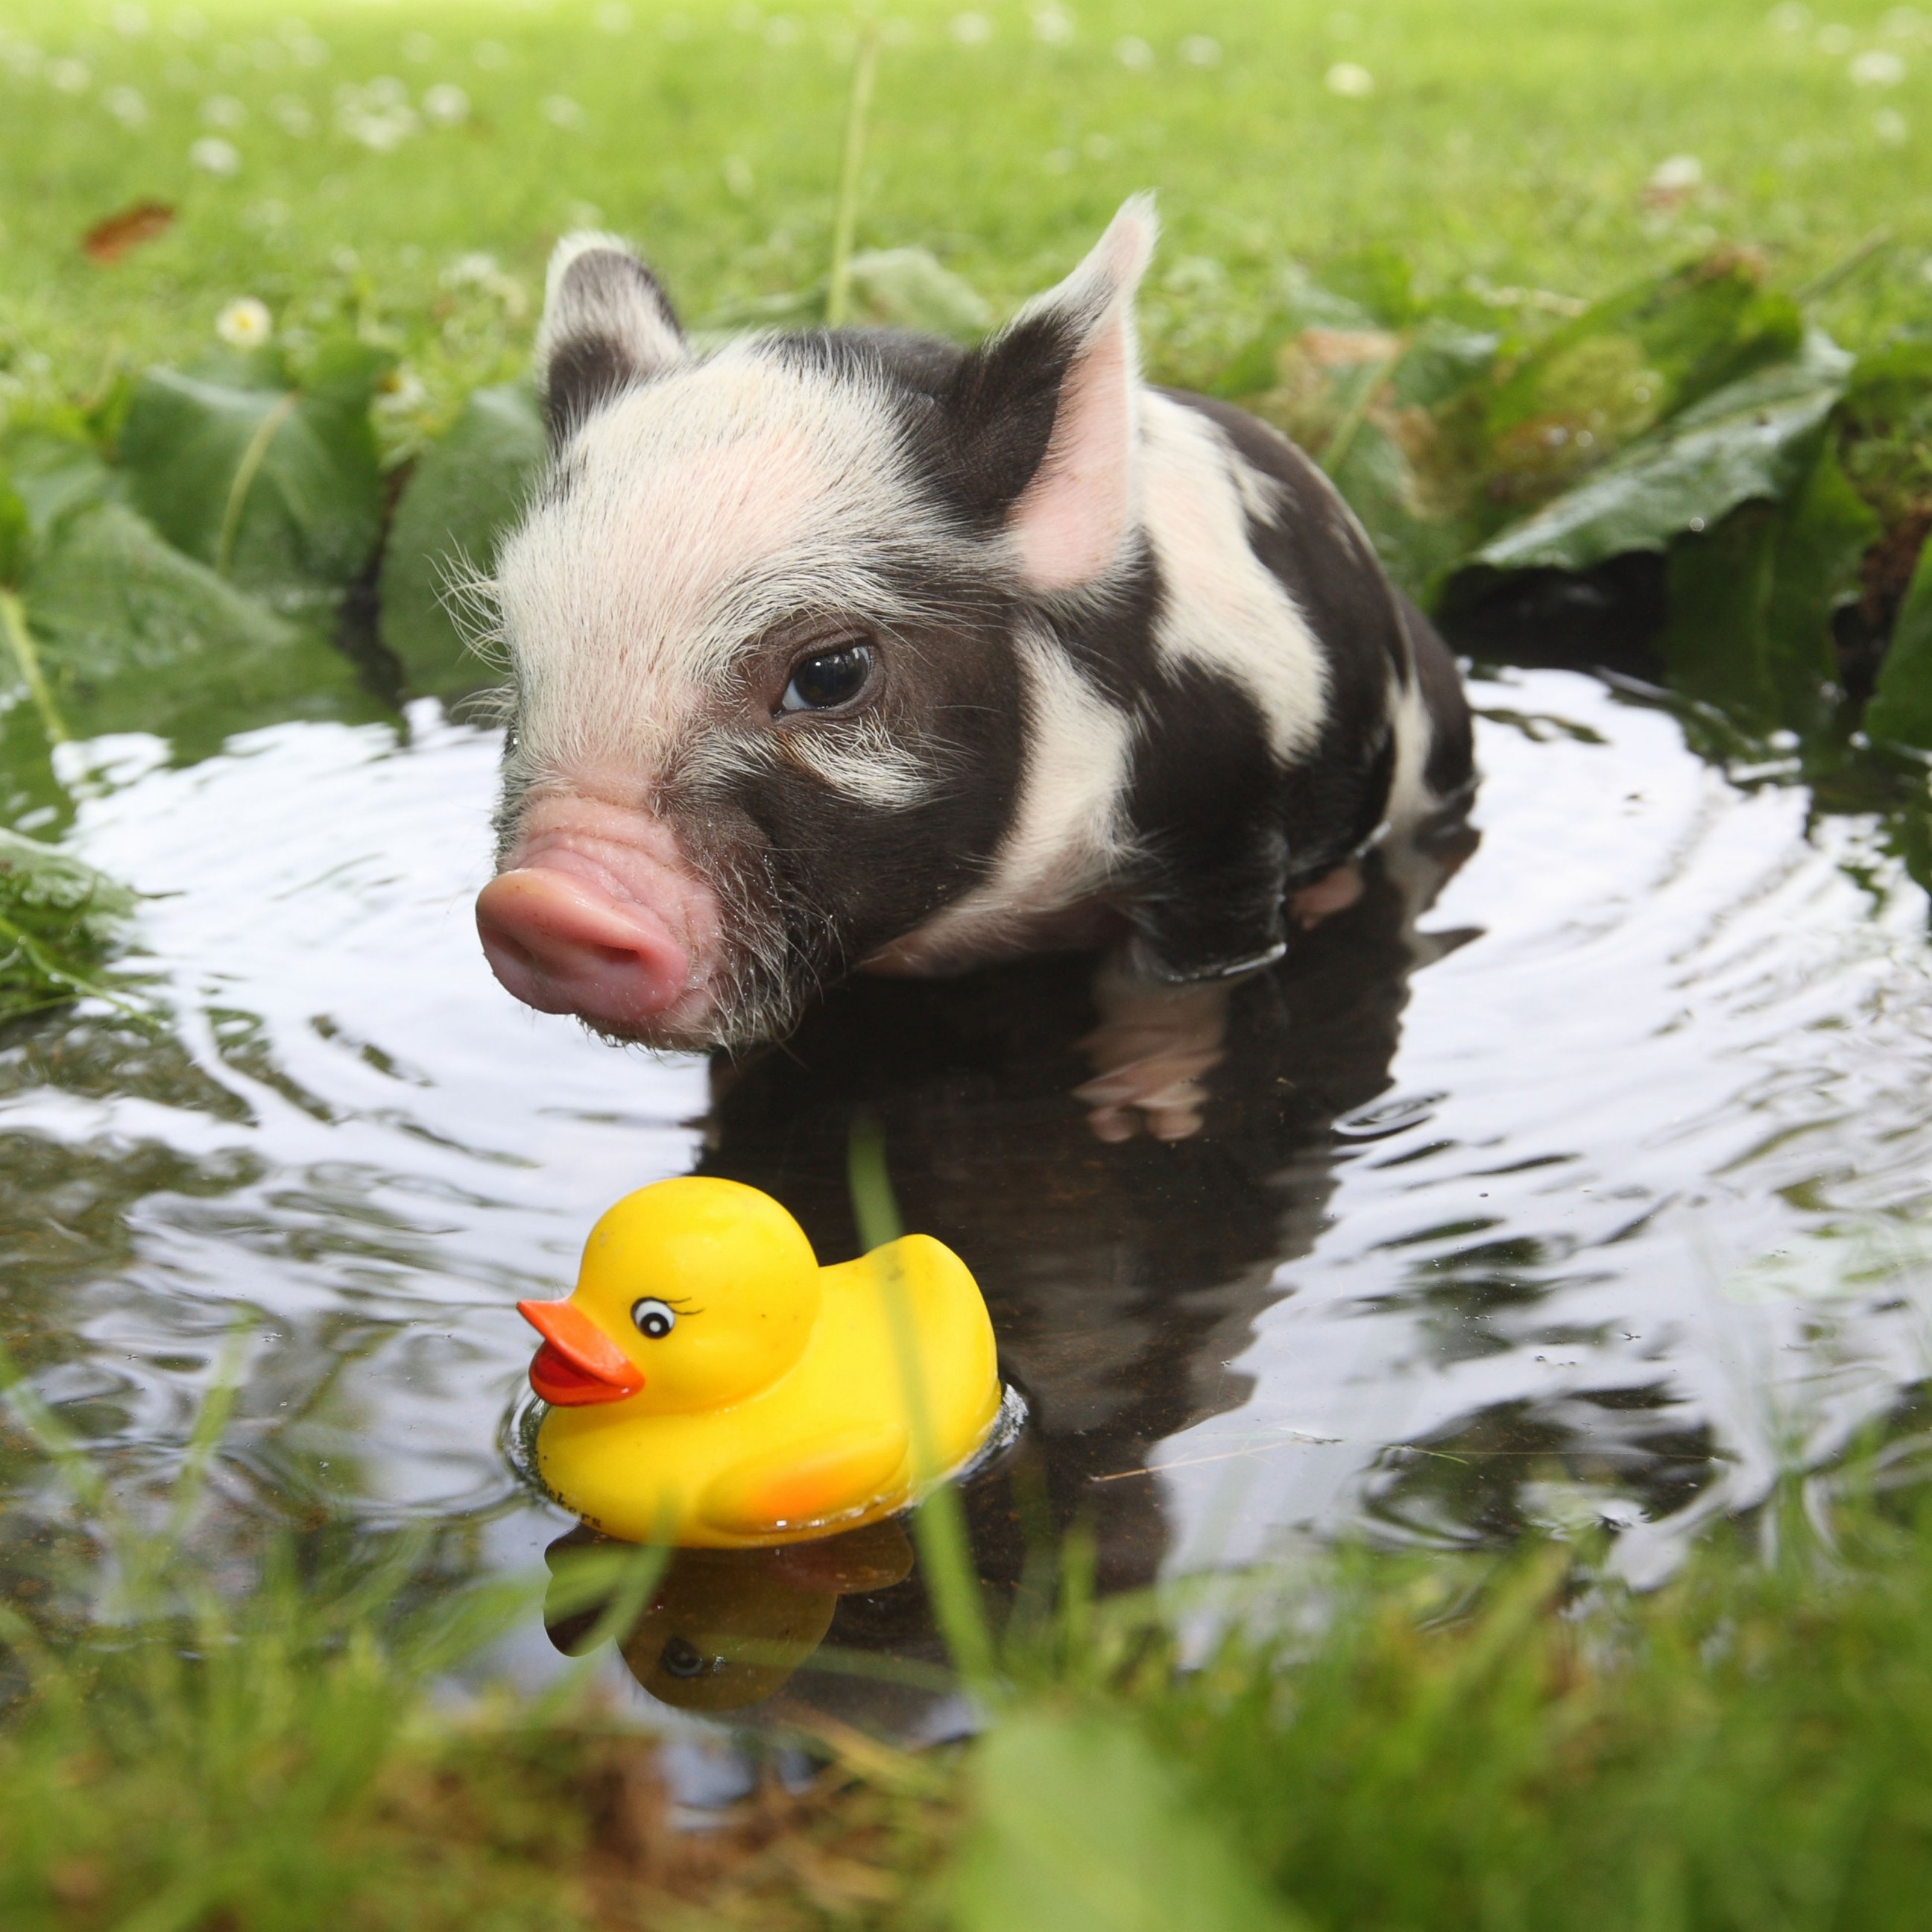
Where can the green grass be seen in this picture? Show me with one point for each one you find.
(1504, 147)
(1377, 1741)
(200, 1739)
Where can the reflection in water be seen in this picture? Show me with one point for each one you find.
(725, 1628)
(1615, 1210)
(1121, 1277)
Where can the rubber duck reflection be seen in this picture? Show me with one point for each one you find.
(727, 1628)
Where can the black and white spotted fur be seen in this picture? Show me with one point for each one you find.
(1139, 674)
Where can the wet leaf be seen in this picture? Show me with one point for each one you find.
(1901, 706)
(1747, 440)
(465, 492)
(58, 919)
(276, 487)
(133, 636)
(1077, 1826)
(1751, 603)
(114, 235)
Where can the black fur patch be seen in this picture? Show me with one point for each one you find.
(588, 370)
(851, 876)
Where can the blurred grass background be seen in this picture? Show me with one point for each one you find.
(412, 163)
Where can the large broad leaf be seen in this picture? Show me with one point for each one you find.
(1901, 706)
(1750, 438)
(1751, 602)
(1420, 542)
(277, 488)
(59, 918)
(1645, 352)
(465, 493)
(133, 636)
(1077, 1826)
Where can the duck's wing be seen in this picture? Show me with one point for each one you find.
(957, 1350)
(822, 1477)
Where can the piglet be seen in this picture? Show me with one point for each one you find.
(854, 649)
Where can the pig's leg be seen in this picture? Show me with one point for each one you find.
(1150, 1053)
(1320, 898)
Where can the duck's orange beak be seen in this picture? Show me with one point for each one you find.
(578, 1363)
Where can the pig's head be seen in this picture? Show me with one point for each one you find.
(774, 620)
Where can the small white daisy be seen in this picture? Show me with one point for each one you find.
(215, 156)
(245, 323)
(446, 105)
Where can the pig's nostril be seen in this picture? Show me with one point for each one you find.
(564, 945)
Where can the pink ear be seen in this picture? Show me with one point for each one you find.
(1069, 522)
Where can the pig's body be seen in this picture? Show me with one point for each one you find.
(849, 650)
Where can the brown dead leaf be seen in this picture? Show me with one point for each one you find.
(1343, 348)
(115, 234)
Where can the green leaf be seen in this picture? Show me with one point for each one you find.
(908, 288)
(1420, 543)
(133, 636)
(1751, 603)
(891, 288)
(1077, 1826)
(58, 919)
(466, 491)
(1649, 349)
(277, 488)
(1750, 439)
(1901, 706)
(53, 476)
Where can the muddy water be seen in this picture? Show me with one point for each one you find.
(1585, 1179)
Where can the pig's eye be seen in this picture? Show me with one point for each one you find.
(653, 1318)
(831, 678)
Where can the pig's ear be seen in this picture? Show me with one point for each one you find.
(606, 323)
(1044, 416)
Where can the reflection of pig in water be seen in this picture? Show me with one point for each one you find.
(857, 649)
(1122, 1277)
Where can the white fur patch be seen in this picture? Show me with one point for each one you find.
(861, 759)
(695, 513)
(1229, 612)
(1410, 800)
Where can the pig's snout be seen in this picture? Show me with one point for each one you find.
(564, 946)
(603, 928)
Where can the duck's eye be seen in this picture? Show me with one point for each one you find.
(654, 1317)
(681, 1657)
(829, 679)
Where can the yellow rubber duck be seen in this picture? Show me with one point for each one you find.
(712, 1385)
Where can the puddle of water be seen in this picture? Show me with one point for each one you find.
(1584, 1183)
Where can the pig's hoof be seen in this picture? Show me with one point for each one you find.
(1332, 892)
(1150, 1054)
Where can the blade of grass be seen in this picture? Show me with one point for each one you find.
(27, 658)
(939, 1526)
(245, 472)
(209, 1425)
(844, 220)
(1342, 439)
